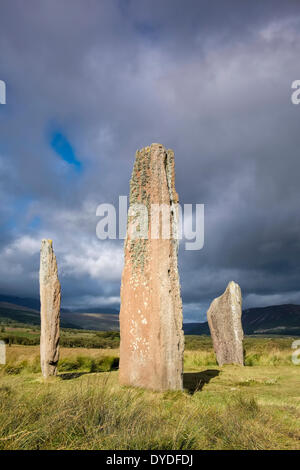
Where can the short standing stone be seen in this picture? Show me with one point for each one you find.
(225, 322)
(152, 343)
(50, 309)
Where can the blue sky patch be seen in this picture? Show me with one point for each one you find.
(64, 149)
(35, 223)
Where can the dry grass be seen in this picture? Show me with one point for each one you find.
(232, 407)
(18, 353)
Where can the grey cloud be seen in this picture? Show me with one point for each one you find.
(212, 83)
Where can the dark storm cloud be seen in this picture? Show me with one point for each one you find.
(210, 80)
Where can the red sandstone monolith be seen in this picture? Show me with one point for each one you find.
(152, 343)
(50, 296)
(224, 318)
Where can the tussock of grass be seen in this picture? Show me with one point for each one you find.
(195, 359)
(94, 413)
(17, 367)
(88, 364)
(273, 358)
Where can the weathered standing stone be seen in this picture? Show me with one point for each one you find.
(152, 343)
(50, 309)
(224, 319)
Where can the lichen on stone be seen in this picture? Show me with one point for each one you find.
(138, 250)
(139, 195)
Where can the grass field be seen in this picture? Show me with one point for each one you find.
(230, 407)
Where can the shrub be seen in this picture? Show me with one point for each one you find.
(105, 364)
(12, 369)
(84, 363)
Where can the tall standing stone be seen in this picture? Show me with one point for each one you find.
(225, 322)
(152, 343)
(50, 309)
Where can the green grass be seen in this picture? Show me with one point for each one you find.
(88, 364)
(230, 407)
(91, 411)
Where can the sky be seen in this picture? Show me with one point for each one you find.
(89, 82)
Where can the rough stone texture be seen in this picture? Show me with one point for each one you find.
(50, 309)
(152, 343)
(224, 319)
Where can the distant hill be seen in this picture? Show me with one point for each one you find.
(92, 320)
(274, 320)
(196, 328)
(10, 312)
(277, 319)
(21, 301)
(27, 311)
(105, 310)
(35, 304)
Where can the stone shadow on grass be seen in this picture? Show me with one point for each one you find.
(71, 375)
(195, 381)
